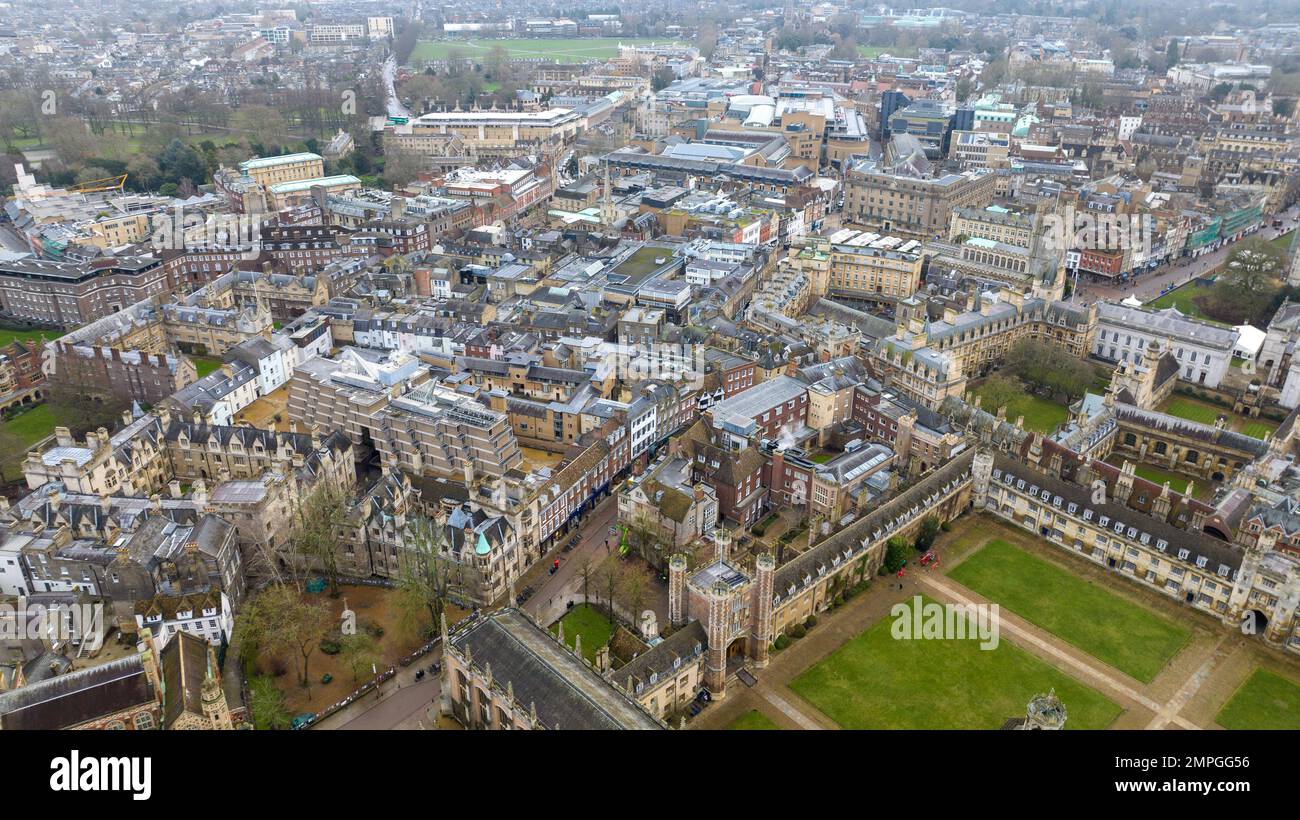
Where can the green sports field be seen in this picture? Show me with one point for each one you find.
(877, 682)
(1129, 637)
(567, 49)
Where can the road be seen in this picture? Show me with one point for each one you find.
(1149, 286)
(401, 702)
(395, 107)
(553, 592)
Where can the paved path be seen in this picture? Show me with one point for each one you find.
(399, 704)
(1067, 658)
(1192, 685)
(769, 693)
(403, 708)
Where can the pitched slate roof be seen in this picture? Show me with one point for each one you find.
(565, 691)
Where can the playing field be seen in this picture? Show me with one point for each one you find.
(560, 49)
(1265, 701)
(877, 682)
(1129, 637)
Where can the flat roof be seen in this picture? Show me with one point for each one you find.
(283, 159)
(324, 182)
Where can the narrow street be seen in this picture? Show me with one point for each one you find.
(552, 592)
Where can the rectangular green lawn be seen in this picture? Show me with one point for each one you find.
(1265, 701)
(1177, 483)
(1193, 410)
(1116, 631)
(587, 621)
(8, 336)
(203, 365)
(1258, 429)
(753, 720)
(1041, 415)
(877, 682)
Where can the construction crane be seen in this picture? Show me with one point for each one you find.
(97, 185)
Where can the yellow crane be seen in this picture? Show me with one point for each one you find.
(96, 185)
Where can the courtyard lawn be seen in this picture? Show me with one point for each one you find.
(1183, 298)
(1129, 637)
(29, 426)
(8, 336)
(1193, 410)
(1177, 483)
(1265, 701)
(591, 624)
(753, 720)
(877, 682)
(1041, 415)
(560, 49)
(1258, 429)
(205, 364)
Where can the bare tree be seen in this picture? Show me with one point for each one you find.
(424, 578)
(318, 524)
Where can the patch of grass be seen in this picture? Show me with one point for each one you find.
(205, 364)
(876, 682)
(1265, 701)
(591, 624)
(1129, 637)
(1192, 410)
(822, 458)
(872, 52)
(1258, 429)
(753, 720)
(1184, 298)
(8, 336)
(1041, 415)
(32, 425)
(1177, 481)
(560, 49)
